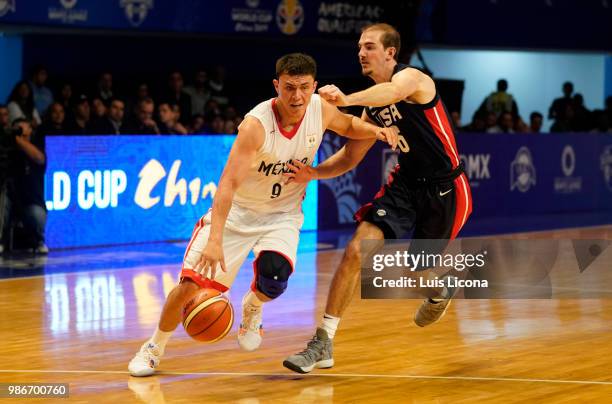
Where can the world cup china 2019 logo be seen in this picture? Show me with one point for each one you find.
(289, 16)
(136, 10)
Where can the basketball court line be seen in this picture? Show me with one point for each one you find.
(322, 375)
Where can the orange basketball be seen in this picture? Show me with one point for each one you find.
(208, 315)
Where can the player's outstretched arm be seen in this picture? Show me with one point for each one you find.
(354, 128)
(339, 163)
(249, 140)
(403, 85)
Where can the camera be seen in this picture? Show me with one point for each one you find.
(14, 132)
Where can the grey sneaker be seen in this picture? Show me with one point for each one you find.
(430, 312)
(318, 354)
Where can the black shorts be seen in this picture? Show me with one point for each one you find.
(431, 208)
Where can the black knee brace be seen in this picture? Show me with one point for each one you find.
(272, 273)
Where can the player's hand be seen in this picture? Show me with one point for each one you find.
(210, 258)
(389, 135)
(299, 173)
(333, 95)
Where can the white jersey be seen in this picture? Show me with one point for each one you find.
(263, 190)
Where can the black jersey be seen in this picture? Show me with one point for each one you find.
(428, 132)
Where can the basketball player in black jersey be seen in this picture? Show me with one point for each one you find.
(428, 193)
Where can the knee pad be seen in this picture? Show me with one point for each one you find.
(272, 272)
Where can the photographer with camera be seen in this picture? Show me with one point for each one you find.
(23, 163)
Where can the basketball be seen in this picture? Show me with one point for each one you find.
(208, 315)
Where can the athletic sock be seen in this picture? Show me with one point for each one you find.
(161, 338)
(330, 324)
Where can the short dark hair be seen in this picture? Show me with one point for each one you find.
(536, 114)
(389, 37)
(17, 121)
(296, 64)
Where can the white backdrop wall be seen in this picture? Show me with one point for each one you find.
(534, 78)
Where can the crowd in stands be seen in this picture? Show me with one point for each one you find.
(203, 106)
(499, 113)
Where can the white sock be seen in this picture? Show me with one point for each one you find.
(161, 338)
(252, 300)
(330, 324)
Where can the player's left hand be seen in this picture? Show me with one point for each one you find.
(210, 258)
(389, 135)
(333, 95)
(300, 173)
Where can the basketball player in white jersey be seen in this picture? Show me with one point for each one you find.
(254, 210)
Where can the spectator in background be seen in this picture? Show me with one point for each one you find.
(520, 126)
(105, 88)
(505, 124)
(478, 123)
(98, 109)
(5, 121)
(500, 101)
(565, 120)
(112, 122)
(65, 98)
(211, 110)
(197, 125)
(558, 107)
(176, 95)
(53, 122)
(490, 120)
(143, 123)
(43, 97)
(229, 127)
(601, 121)
(169, 116)
(29, 181)
(217, 125)
(21, 104)
(582, 118)
(535, 122)
(216, 84)
(142, 92)
(80, 123)
(199, 92)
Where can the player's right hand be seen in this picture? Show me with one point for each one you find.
(210, 258)
(389, 135)
(333, 95)
(299, 172)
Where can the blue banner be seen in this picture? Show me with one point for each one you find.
(519, 181)
(126, 189)
(252, 17)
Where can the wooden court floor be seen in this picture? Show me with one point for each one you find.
(82, 328)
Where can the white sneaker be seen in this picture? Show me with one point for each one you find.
(145, 361)
(251, 329)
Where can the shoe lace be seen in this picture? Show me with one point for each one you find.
(147, 354)
(314, 346)
(251, 319)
